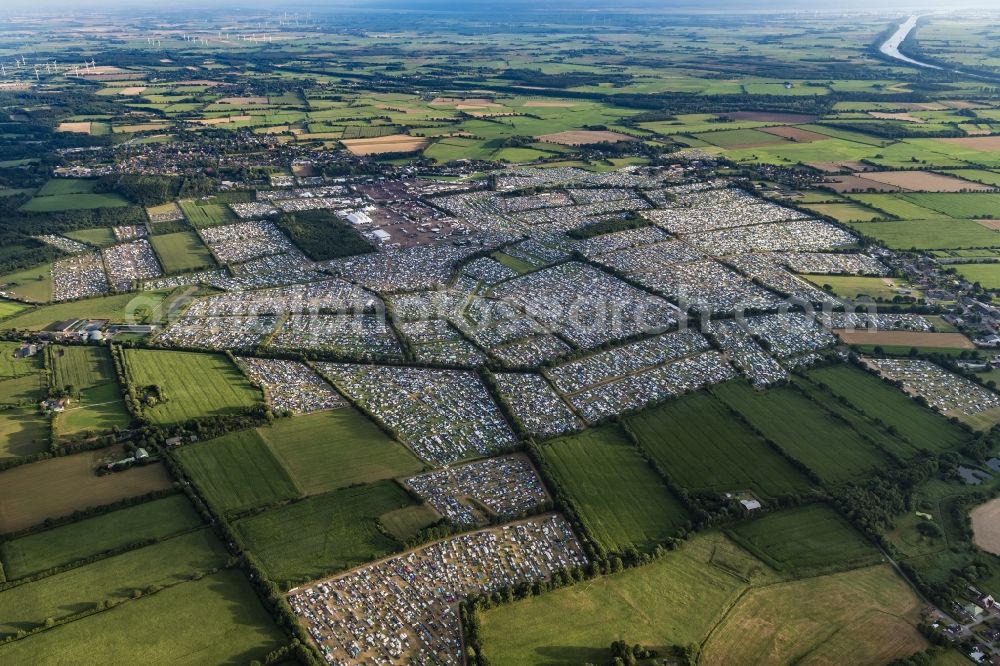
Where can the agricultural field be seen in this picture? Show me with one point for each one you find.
(98, 237)
(854, 287)
(181, 252)
(112, 579)
(206, 214)
(117, 308)
(189, 385)
(702, 446)
(58, 546)
(929, 234)
(335, 449)
(33, 285)
(26, 500)
(236, 472)
(987, 275)
(924, 428)
(324, 534)
(805, 541)
(79, 367)
(621, 500)
(842, 455)
(232, 625)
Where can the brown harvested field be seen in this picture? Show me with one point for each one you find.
(78, 128)
(986, 526)
(925, 181)
(304, 170)
(14, 85)
(242, 100)
(131, 90)
(858, 184)
(986, 144)
(142, 127)
(57, 487)
(794, 133)
(905, 117)
(905, 339)
(551, 105)
(221, 121)
(393, 143)
(584, 137)
(993, 225)
(767, 117)
(963, 104)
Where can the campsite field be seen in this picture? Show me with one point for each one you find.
(181, 252)
(335, 449)
(924, 428)
(702, 446)
(112, 579)
(61, 545)
(236, 471)
(232, 627)
(620, 498)
(193, 384)
(842, 455)
(805, 541)
(26, 498)
(324, 534)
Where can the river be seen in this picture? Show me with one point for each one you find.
(891, 45)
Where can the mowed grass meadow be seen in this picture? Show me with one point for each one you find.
(232, 627)
(620, 498)
(181, 252)
(334, 449)
(61, 545)
(702, 446)
(324, 534)
(236, 471)
(89, 373)
(192, 384)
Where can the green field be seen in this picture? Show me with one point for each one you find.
(113, 579)
(960, 204)
(30, 284)
(846, 212)
(236, 471)
(101, 236)
(40, 551)
(23, 431)
(987, 275)
(100, 408)
(929, 234)
(181, 252)
(11, 308)
(232, 627)
(63, 202)
(618, 496)
(841, 454)
(702, 446)
(922, 427)
(63, 186)
(675, 600)
(897, 207)
(80, 367)
(324, 533)
(116, 308)
(805, 541)
(193, 385)
(852, 287)
(11, 367)
(206, 214)
(329, 450)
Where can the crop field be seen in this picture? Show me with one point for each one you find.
(181, 252)
(898, 207)
(64, 186)
(870, 614)
(961, 205)
(323, 534)
(739, 138)
(62, 545)
(112, 579)
(923, 427)
(908, 339)
(190, 384)
(620, 498)
(852, 287)
(702, 446)
(676, 600)
(26, 496)
(805, 541)
(80, 367)
(840, 455)
(206, 214)
(232, 627)
(61, 202)
(929, 234)
(846, 212)
(329, 450)
(236, 471)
